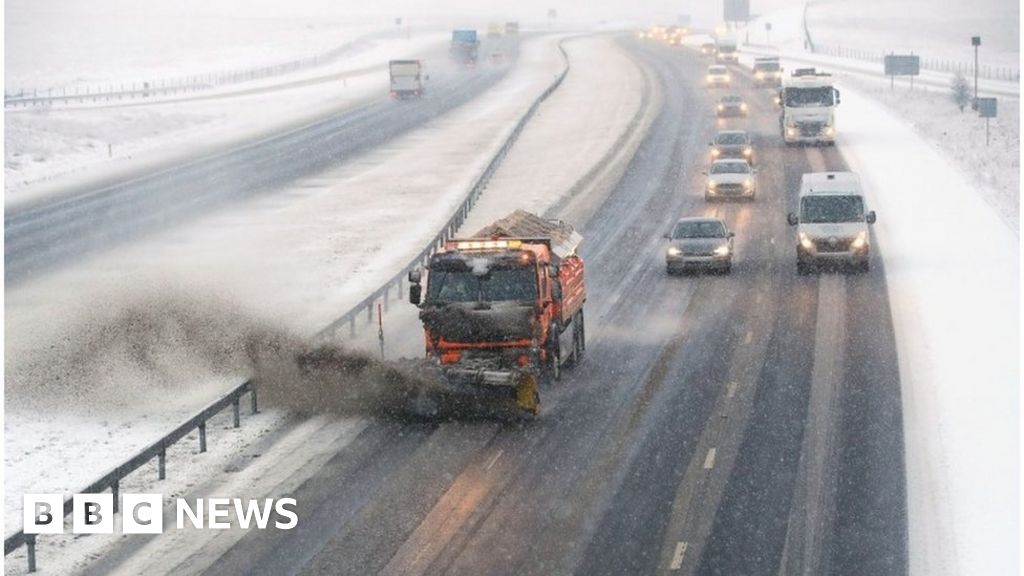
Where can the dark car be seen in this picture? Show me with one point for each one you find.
(732, 144)
(699, 242)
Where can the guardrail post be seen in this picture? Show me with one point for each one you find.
(161, 464)
(369, 313)
(202, 436)
(115, 489)
(30, 545)
(234, 411)
(387, 295)
(252, 393)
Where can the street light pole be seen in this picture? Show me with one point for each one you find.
(975, 41)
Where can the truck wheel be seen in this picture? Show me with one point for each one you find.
(554, 353)
(581, 338)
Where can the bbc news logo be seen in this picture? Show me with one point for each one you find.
(143, 513)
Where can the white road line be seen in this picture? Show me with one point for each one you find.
(709, 460)
(730, 390)
(748, 337)
(677, 558)
(495, 459)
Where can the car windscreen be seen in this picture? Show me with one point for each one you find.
(731, 99)
(455, 284)
(730, 168)
(717, 70)
(831, 209)
(767, 67)
(809, 97)
(705, 229)
(731, 139)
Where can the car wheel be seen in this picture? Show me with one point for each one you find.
(802, 268)
(728, 269)
(864, 267)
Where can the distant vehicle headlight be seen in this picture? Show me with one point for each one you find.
(715, 151)
(722, 250)
(728, 78)
(743, 105)
(748, 151)
(760, 75)
(748, 183)
(673, 251)
(806, 242)
(721, 107)
(830, 131)
(712, 183)
(710, 78)
(791, 131)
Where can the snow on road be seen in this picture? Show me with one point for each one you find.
(288, 263)
(952, 267)
(50, 150)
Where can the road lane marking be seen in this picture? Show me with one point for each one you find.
(748, 337)
(495, 459)
(677, 558)
(709, 460)
(730, 390)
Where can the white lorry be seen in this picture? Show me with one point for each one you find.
(406, 78)
(726, 49)
(808, 99)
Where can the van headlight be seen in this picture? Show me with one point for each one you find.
(722, 250)
(805, 241)
(860, 241)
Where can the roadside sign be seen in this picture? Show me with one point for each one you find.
(737, 10)
(902, 65)
(987, 107)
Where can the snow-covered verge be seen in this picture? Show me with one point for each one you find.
(952, 267)
(48, 150)
(145, 339)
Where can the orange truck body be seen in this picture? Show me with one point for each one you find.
(523, 316)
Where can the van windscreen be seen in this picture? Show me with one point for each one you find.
(831, 209)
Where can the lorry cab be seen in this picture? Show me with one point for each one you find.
(832, 221)
(808, 99)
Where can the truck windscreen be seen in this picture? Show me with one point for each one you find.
(496, 285)
(831, 209)
(809, 97)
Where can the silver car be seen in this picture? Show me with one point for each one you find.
(731, 105)
(718, 76)
(732, 144)
(730, 179)
(699, 242)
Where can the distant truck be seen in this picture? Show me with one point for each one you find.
(767, 72)
(808, 99)
(504, 308)
(726, 50)
(465, 47)
(406, 78)
(511, 28)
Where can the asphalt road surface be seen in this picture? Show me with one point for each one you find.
(45, 235)
(741, 425)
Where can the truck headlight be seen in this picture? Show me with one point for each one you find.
(673, 251)
(806, 242)
(860, 241)
(722, 250)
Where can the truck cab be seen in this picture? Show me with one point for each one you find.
(767, 72)
(406, 78)
(808, 99)
(832, 222)
(726, 50)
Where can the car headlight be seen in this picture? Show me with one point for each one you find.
(748, 183)
(710, 78)
(721, 107)
(830, 131)
(860, 241)
(760, 75)
(743, 106)
(673, 251)
(712, 183)
(715, 152)
(806, 242)
(728, 78)
(748, 151)
(722, 250)
(791, 131)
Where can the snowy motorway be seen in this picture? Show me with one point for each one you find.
(742, 424)
(38, 235)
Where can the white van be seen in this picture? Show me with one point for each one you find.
(832, 225)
